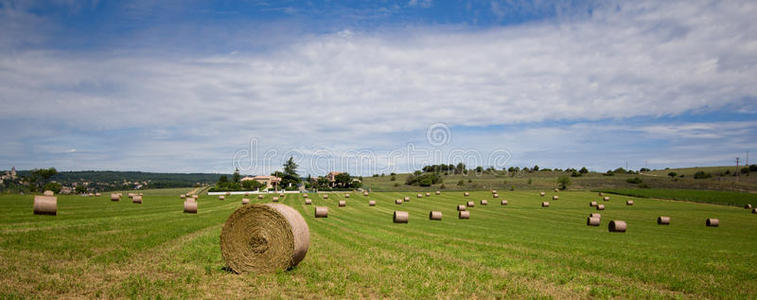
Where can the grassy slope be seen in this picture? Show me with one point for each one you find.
(95, 247)
(716, 197)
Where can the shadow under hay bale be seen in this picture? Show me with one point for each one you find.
(617, 226)
(190, 207)
(435, 215)
(321, 212)
(712, 222)
(463, 214)
(262, 238)
(663, 220)
(400, 216)
(45, 205)
(593, 221)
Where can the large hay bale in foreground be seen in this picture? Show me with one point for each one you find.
(115, 197)
(545, 204)
(461, 207)
(262, 238)
(48, 193)
(617, 226)
(342, 203)
(321, 212)
(484, 202)
(398, 201)
(592, 221)
(503, 202)
(470, 204)
(372, 203)
(400, 216)
(601, 207)
(190, 207)
(136, 199)
(45, 205)
(629, 202)
(308, 201)
(435, 215)
(463, 214)
(711, 222)
(466, 194)
(663, 220)
(245, 201)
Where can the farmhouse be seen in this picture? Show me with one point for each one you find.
(268, 181)
(331, 176)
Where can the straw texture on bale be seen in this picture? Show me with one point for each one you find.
(542, 194)
(398, 201)
(503, 202)
(342, 203)
(555, 197)
(321, 212)
(592, 221)
(712, 222)
(371, 203)
(190, 207)
(260, 196)
(592, 215)
(495, 195)
(275, 199)
(471, 204)
(545, 204)
(463, 214)
(663, 220)
(221, 197)
(606, 198)
(438, 192)
(466, 194)
(400, 216)
(435, 215)
(629, 202)
(748, 206)
(617, 226)
(48, 193)
(115, 197)
(593, 204)
(136, 199)
(45, 205)
(245, 201)
(419, 195)
(261, 238)
(601, 207)
(308, 202)
(484, 202)
(461, 207)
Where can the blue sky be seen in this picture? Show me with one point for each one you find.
(207, 86)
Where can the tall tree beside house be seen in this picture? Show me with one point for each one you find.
(289, 176)
(236, 177)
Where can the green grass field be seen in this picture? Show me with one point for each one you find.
(715, 197)
(98, 248)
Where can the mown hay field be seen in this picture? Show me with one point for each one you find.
(98, 248)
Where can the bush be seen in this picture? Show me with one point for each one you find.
(52, 186)
(672, 174)
(702, 175)
(530, 181)
(461, 182)
(563, 181)
(393, 178)
(635, 180)
(442, 186)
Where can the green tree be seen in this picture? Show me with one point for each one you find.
(563, 181)
(289, 177)
(672, 174)
(583, 170)
(52, 186)
(236, 177)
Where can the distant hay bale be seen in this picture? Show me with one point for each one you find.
(342, 203)
(592, 221)
(262, 238)
(260, 196)
(606, 198)
(555, 197)
(398, 201)
(754, 210)
(227, 194)
(346, 195)
(617, 226)
(222, 197)
(556, 190)
(545, 204)
(45, 205)
(748, 206)
(246, 194)
(131, 195)
(308, 201)
(115, 197)
(305, 195)
(407, 199)
(275, 199)
(182, 196)
(663, 220)
(435, 215)
(601, 207)
(503, 202)
(438, 192)
(629, 202)
(484, 202)
(595, 215)
(321, 212)
(461, 207)
(365, 193)
(400, 216)
(466, 194)
(428, 194)
(470, 204)
(593, 204)
(282, 195)
(325, 196)
(542, 194)
(463, 214)
(371, 203)
(136, 199)
(711, 222)
(245, 201)
(98, 194)
(601, 194)
(419, 196)
(190, 207)
(494, 192)
(495, 195)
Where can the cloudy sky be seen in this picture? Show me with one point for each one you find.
(371, 87)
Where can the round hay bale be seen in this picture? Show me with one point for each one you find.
(275, 199)
(246, 194)
(463, 214)
(190, 207)
(321, 212)
(221, 197)
(606, 198)
(438, 192)
(245, 201)
(407, 199)
(593, 204)
(428, 194)
(325, 196)
(131, 195)
(484, 202)
(466, 194)
(305, 195)
(308, 201)
(419, 196)
(182, 196)
(595, 215)
(136, 199)
(495, 196)
(754, 210)
(227, 194)
(346, 195)
(470, 204)
(601, 207)
(461, 207)
(398, 201)
(617, 226)
(262, 238)
(282, 195)
(342, 203)
(542, 194)
(545, 204)
(45, 205)
(629, 202)
(48, 193)
(711, 222)
(503, 202)
(748, 206)
(435, 215)
(260, 196)
(601, 194)
(555, 197)
(115, 197)
(494, 192)
(592, 221)
(365, 193)
(556, 190)
(663, 220)
(400, 216)
(371, 203)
